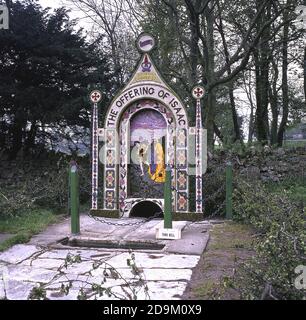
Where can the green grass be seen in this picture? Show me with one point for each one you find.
(16, 239)
(230, 243)
(294, 188)
(239, 238)
(294, 143)
(206, 289)
(23, 227)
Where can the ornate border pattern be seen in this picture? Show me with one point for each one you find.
(94, 164)
(110, 172)
(182, 171)
(199, 200)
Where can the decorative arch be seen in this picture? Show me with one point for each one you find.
(146, 86)
(148, 91)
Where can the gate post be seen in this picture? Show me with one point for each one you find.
(74, 198)
(167, 200)
(168, 232)
(229, 190)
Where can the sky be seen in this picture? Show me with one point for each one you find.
(243, 110)
(56, 4)
(50, 3)
(74, 14)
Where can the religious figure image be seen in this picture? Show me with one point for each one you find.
(142, 155)
(147, 148)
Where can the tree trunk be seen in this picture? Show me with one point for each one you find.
(17, 132)
(30, 140)
(304, 3)
(248, 90)
(251, 124)
(210, 118)
(218, 133)
(194, 51)
(274, 104)
(210, 76)
(305, 73)
(262, 62)
(237, 131)
(261, 114)
(282, 126)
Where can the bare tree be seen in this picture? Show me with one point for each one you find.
(207, 41)
(113, 29)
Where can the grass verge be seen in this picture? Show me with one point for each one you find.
(293, 187)
(23, 227)
(230, 244)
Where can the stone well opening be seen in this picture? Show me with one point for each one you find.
(146, 209)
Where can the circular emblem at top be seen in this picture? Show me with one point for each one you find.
(95, 96)
(198, 92)
(145, 42)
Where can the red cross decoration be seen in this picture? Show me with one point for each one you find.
(95, 96)
(198, 92)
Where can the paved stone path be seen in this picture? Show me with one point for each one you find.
(166, 271)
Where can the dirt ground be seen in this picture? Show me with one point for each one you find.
(230, 244)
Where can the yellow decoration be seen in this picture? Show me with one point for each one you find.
(160, 173)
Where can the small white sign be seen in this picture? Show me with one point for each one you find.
(95, 96)
(168, 234)
(145, 42)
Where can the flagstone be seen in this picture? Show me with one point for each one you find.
(152, 274)
(18, 253)
(2, 291)
(44, 263)
(58, 254)
(154, 260)
(165, 290)
(166, 275)
(85, 254)
(79, 267)
(28, 273)
(18, 290)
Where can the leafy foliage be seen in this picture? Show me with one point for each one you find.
(281, 243)
(46, 69)
(43, 185)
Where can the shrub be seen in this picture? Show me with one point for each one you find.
(281, 242)
(42, 187)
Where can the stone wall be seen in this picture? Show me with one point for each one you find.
(267, 164)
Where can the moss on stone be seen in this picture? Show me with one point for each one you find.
(187, 216)
(105, 213)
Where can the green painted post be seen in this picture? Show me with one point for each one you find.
(74, 198)
(167, 200)
(229, 190)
